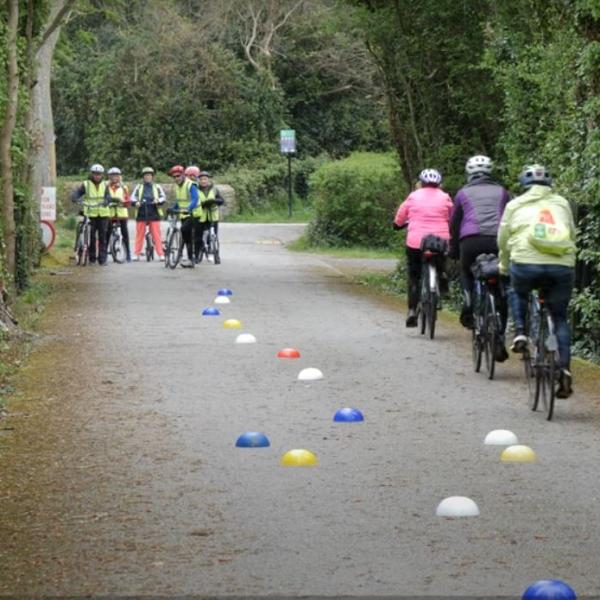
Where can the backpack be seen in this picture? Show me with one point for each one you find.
(433, 243)
(548, 234)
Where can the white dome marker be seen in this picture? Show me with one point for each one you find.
(500, 437)
(457, 506)
(310, 374)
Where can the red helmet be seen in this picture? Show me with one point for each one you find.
(192, 171)
(176, 170)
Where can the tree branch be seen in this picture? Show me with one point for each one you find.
(56, 22)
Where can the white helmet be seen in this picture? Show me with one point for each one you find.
(479, 164)
(97, 168)
(114, 171)
(534, 174)
(430, 177)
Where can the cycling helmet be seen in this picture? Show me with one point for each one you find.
(114, 171)
(430, 177)
(479, 164)
(176, 170)
(96, 168)
(192, 171)
(147, 170)
(534, 174)
(204, 174)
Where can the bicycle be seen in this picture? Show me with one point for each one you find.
(487, 322)
(432, 249)
(82, 237)
(173, 242)
(149, 250)
(540, 355)
(211, 244)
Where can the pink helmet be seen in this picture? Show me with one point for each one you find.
(192, 171)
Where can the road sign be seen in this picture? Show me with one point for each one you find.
(48, 204)
(48, 234)
(287, 141)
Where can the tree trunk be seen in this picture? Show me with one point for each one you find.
(8, 126)
(43, 153)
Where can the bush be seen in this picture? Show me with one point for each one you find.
(263, 186)
(355, 200)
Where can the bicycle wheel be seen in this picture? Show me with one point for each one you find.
(79, 245)
(216, 250)
(490, 336)
(432, 316)
(149, 249)
(422, 306)
(546, 375)
(117, 249)
(174, 249)
(476, 346)
(530, 378)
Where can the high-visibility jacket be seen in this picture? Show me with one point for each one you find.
(183, 195)
(95, 194)
(209, 213)
(144, 211)
(118, 195)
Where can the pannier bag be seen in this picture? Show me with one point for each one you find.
(433, 243)
(486, 266)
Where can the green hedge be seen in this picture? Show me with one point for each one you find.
(355, 200)
(263, 185)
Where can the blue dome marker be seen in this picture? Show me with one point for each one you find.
(224, 292)
(211, 311)
(253, 439)
(549, 589)
(348, 415)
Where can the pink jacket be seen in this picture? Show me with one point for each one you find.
(427, 211)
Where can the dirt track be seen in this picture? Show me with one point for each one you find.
(121, 475)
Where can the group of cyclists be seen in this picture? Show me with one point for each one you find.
(533, 235)
(105, 202)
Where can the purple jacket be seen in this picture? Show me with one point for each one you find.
(477, 210)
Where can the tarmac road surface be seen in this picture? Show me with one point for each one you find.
(118, 471)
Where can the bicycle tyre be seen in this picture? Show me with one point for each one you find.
(174, 249)
(549, 384)
(216, 251)
(491, 336)
(476, 348)
(117, 250)
(432, 318)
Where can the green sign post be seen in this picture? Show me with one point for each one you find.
(287, 147)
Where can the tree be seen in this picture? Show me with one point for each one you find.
(6, 136)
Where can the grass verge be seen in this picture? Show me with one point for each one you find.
(302, 245)
(29, 307)
(300, 214)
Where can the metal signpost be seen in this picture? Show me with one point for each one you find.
(287, 146)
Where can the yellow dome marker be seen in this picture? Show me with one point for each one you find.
(232, 324)
(518, 453)
(299, 458)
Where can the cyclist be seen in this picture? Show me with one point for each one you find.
(478, 207)
(210, 201)
(148, 197)
(193, 172)
(536, 240)
(119, 198)
(95, 191)
(186, 195)
(426, 210)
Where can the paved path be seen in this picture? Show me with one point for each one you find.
(118, 471)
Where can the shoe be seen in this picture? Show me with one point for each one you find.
(500, 353)
(162, 258)
(104, 264)
(137, 258)
(92, 262)
(411, 319)
(466, 317)
(519, 344)
(565, 381)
